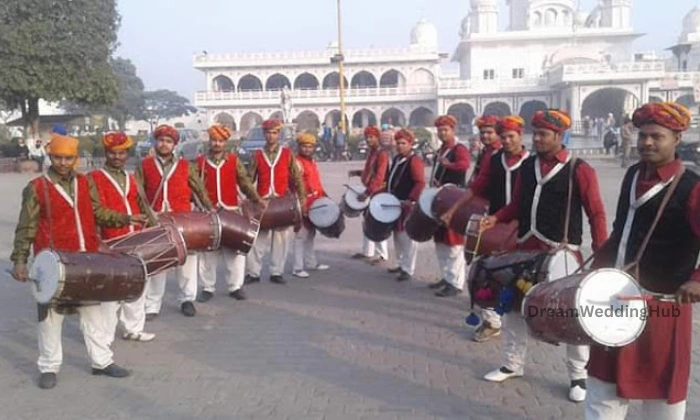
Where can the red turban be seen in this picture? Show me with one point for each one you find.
(372, 131)
(116, 141)
(219, 132)
(671, 115)
(167, 131)
(510, 123)
(552, 119)
(405, 135)
(487, 121)
(272, 125)
(448, 120)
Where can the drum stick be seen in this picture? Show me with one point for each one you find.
(648, 297)
(390, 205)
(351, 189)
(36, 282)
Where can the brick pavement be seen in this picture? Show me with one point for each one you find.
(347, 343)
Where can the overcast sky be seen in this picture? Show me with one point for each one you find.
(160, 36)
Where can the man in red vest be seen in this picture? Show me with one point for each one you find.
(60, 211)
(274, 169)
(170, 184)
(223, 174)
(304, 253)
(118, 191)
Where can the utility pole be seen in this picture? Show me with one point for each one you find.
(339, 58)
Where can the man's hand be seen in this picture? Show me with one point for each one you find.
(447, 217)
(488, 223)
(138, 219)
(362, 197)
(20, 272)
(444, 162)
(304, 210)
(689, 292)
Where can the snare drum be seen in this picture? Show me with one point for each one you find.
(350, 205)
(61, 276)
(565, 311)
(238, 232)
(326, 216)
(201, 230)
(281, 212)
(448, 196)
(381, 217)
(501, 237)
(420, 224)
(161, 247)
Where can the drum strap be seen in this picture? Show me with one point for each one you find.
(570, 193)
(48, 211)
(147, 204)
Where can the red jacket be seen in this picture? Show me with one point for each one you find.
(221, 181)
(176, 188)
(312, 179)
(113, 198)
(273, 177)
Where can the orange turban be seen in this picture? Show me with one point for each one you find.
(372, 131)
(405, 135)
(167, 131)
(272, 125)
(671, 115)
(116, 141)
(63, 145)
(219, 132)
(448, 120)
(306, 138)
(487, 121)
(510, 123)
(552, 119)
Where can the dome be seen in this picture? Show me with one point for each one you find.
(476, 3)
(424, 35)
(580, 18)
(691, 21)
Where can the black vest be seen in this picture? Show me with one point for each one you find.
(671, 255)
(497, 185)
(448, 176)
(402, 183)
(551, 211)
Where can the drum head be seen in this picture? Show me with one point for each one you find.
(561, 264)
(617, 323)
(324, 212)
(385, 208)
(47, 276)
(351, 197)
(425, 201)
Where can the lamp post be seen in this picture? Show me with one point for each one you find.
(341, 72)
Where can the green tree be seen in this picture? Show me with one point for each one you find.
(164, 104)
(56, 50)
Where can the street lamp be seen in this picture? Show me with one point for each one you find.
(339, 58)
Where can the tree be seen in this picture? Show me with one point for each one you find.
(56, 50)
(164, 104)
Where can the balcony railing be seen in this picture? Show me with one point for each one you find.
(317, 94)
(493, 83)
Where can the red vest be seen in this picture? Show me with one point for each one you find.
(73, 229)
(273, 177)
(113, 198)
(312, 179)
(176, 188)
(220, 181)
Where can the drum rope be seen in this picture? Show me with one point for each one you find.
(48, 211)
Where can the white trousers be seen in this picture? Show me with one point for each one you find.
(515, 335)
(370, 248)
(93, 328)
(406, 250)
(235, 269)
(491, 316)
(187, 282)
(278, 251)
(131, 316)
(304, 249)
(452, 264)
(602, 403)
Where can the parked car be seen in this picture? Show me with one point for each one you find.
(191, 149)
(689, 151)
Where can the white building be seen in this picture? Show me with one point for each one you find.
(551, 55)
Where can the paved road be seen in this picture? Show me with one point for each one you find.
(345, 344)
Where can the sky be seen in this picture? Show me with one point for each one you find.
(161, 36)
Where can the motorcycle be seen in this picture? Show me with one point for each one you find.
(362, 150)
(611, 140)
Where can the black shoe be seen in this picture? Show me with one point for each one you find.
(448, 291)
(251, 279)
(113, 371)
(438, 285)
(47, 380)
(394, 270)
(187, 309)
(278, 280)
(238, 295)
(404, 276)
(359, 256)
(205, 296)
(151, 317)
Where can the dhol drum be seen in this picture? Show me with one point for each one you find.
(350, 205)
(238, 232)
(583, 309)
(448, 196)
(160, 248)
(420, 224)
(58, 276)
(503, 279)
(201, 230)
(381, 217)
(501, 237)
(327, 218)
(281, 212)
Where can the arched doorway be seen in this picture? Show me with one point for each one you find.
(277, 82)
(393, 117)
(655, 99)
(277, 115)
(528, 110)
(364, 118)
(603, 102)
(392, 79)
(332, 81)
(249, 83)
(307, 120)
(306, 81)
(422, 77)
(250, 120)
(224, 118)
(421, 117)
(223, 83)
(499, 109)
(363, 79)
(465, 116)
